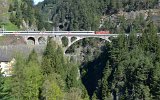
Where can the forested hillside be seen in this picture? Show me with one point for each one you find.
(24, 15)
(86, 14)
(130, 71)
(74, 15)
(125, 69)
(5, 15)
(51, 78)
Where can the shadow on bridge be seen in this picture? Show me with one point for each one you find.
(31, 41)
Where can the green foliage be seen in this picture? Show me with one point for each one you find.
(74, 94)
(53, 92)
(59, 74)
(11, 27)
(131, 70)
(72, 14)
(52, 88)
(76, 15)
(24, 10)
(128, 68)
(32, 81)
(86, 14)
(105, 84)
(47, 61)
(53, 60)
(72, 76)
(18, 79)
(27, 78)
(33, 57)
(4, 89)
(65, 41)
(33, 77)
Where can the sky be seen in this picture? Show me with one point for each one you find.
(36, 1)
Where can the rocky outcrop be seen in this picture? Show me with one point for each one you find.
(25, 26)
(4, 6)
(134, 14)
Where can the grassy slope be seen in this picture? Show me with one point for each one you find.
(4, 15)
(11, 27)
(4, 19)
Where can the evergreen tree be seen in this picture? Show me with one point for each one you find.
(48, 58)
(32, 77)
(18, 79)
(33, 57)
(105, 82)
(52, 88)
(74, 94)
(4, 87)
(60, 64)
(72, 76)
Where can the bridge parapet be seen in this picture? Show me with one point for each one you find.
(38, 37)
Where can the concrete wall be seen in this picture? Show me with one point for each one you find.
(10, 51)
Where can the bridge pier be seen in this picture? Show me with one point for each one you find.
(36, 42)
(69, 40)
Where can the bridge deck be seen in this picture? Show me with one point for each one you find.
(56, 33)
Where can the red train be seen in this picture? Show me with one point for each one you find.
(59, 32)
(102, 32)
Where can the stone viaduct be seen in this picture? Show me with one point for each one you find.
(38, 38)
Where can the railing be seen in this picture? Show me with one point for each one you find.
(11, 32)
(57, 33)
(45, 32)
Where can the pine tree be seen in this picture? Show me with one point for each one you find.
(74, 94)
(72, 76)
(48, 61)
(33, 57)
(52, 88)
(18, 79)
(137, 74)
(154, 81)
(105, 82)
(32, 77)
(4, 87)
(60, 63)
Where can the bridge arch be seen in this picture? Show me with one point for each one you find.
(65, 41)
(81, 38)
(42, 40)
(73, 38)
(31, 40)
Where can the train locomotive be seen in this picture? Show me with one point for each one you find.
(102, 32)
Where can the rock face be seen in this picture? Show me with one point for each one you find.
(25, 26)
(134, 14)
(4, 6)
